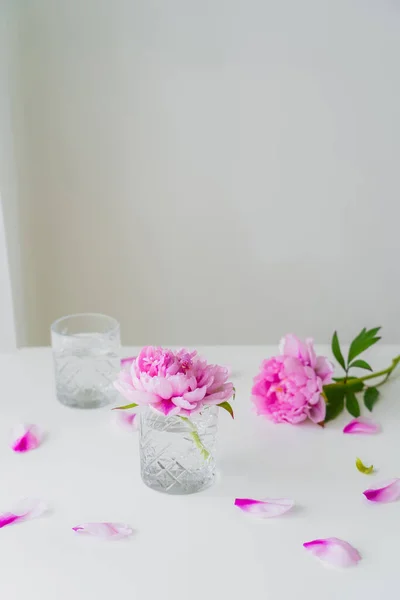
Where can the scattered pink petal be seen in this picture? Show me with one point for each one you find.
(25, 438)
(106, 531)
(334, 551)
(25, 510)
(126, 420)
(388, 492)
(266, 508)
(361, 425)
(126, 362)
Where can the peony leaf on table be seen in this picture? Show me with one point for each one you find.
(266, 508)
(362, 468)
(352, 403)
(105, 531)
(371, 396)
(334, 552)
(226, 406)
(337, 353)
(384, 493)
(361, 364)
(26, 509)
(126, 406)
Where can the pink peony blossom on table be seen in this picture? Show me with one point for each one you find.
(288, 388)
(174, 383)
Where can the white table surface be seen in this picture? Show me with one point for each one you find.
(198, 546)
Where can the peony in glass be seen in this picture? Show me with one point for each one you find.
(178, 394)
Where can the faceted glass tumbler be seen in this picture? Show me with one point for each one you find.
(177, 456)
(86, 351)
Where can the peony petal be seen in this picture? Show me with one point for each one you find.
(126, 420)
(139, 397)
(361, 425)
(317, 411)
(182, 403)
(105, 531)
(126, 362)
(195, 396)
(180, 383)
(224, 393)
(334, 551)
(25, 510)
(265, 508)
(387, 492)
(290, 345)
(324, 369)
(161, 387)
(25, 438)
(167, 408)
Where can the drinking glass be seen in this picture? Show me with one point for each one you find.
(86, 351)
(177, 456)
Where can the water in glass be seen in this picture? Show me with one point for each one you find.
(86, 364)
(178, 456)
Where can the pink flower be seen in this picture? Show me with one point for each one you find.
(288, 388)
(178, 383)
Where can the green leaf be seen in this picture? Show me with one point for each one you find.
(355, 385)
(362, 468)
(125, 407)
(352, 403)
(337, 353)
(227, 407)
(335, 402)
(361, 364)
(364, 340)
(373, 332)
(371, 396)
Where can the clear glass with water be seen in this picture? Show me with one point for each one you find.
(86, 350)
(177, 456)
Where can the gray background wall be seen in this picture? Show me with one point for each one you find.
(209, 172)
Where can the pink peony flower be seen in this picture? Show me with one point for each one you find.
(178, 383)
(288, 388)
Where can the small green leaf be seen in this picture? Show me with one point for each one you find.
(337, 353)
(133, 405)
(372, 332)
(364, 340)
(352, 403)
(335, 402)
(362, 468)
(371, 396)
(361, 364)
(227, 407)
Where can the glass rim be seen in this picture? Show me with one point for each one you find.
(114, 324)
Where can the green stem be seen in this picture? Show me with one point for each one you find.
(351, 382)
(194, 434)
(386, 372)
